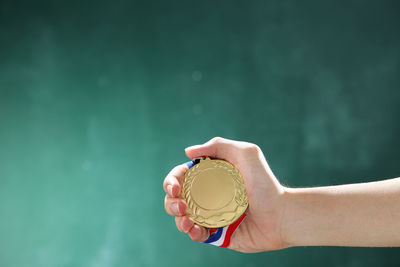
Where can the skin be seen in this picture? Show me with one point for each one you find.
(278, 217)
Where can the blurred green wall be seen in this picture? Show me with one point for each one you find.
(99, 99)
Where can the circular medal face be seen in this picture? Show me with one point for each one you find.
(214, 192)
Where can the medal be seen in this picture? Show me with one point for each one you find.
(214, 192)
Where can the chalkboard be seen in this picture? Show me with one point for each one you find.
(98, 100)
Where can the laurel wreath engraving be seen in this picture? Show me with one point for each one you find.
(196, 212)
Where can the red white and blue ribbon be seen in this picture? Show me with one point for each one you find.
(220, 237)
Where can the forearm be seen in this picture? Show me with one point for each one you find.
(365, 214)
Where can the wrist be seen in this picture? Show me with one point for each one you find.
(285, 222)
(314, 217)
(297, 218)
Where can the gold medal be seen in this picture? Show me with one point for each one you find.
(215, 193)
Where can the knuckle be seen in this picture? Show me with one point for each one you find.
(176, 168)
(217, 140)
(186, 224)
(198, 233)
(252, 148)
(165, 183)
(194, 237)
(167, 205)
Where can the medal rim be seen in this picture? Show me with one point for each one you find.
(217, 217)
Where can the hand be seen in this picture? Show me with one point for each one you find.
(260, 230)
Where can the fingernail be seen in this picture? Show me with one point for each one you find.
(175, 208)
(169, 189)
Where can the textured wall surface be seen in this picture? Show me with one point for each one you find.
(99, 99)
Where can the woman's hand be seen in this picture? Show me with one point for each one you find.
(260, 230)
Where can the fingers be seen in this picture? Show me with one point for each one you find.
(198, 233)
(177, 207)
(184, 224)
(174, 179)
(222, 148)
(216, 147)
(174, 206)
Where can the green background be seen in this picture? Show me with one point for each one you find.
(99, 99)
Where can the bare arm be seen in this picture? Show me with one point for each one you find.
(366, 214)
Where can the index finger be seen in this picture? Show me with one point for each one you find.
(173, 181)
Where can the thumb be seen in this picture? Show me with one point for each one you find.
(217, 147)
